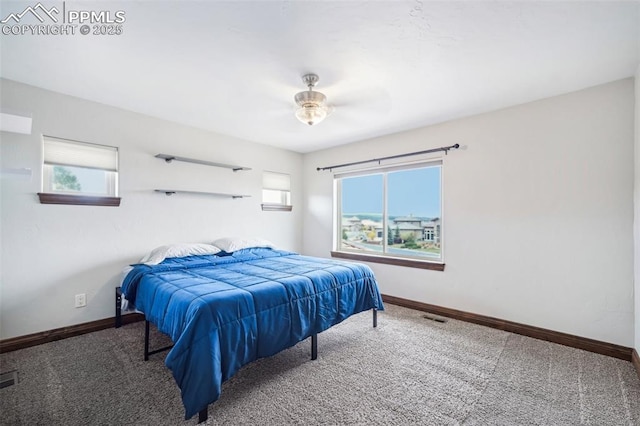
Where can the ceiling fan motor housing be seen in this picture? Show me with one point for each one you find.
(310, 97)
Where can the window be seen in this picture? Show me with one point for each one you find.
(276, 191)
(393, 212)
(79, 173)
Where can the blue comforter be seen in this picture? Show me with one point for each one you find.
(223, 312)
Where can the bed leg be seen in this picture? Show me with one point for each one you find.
(118, 307)
(146, 340)
(203, 415)
(314, 346)
(375, 317)
(147, 352)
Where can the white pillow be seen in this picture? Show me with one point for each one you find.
(161, 253)
(230, 244)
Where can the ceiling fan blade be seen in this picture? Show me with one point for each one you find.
(372, 100)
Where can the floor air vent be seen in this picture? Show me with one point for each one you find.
(8, 379)
(436, 319)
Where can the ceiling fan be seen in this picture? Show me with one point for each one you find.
(312, 105)
(353, 101)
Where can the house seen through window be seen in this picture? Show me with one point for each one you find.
(394, 211)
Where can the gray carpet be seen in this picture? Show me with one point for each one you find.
(407, 371)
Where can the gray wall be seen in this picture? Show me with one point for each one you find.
(637, 212)
(52, 252)
(538, 210)
(538, 213)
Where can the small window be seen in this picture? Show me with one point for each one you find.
(276, 191)
(79, 173)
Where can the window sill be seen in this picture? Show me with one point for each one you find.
(78, 200)
(276, 207)
(397, 261)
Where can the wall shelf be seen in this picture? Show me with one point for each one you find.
(213, 194)
(169, 158)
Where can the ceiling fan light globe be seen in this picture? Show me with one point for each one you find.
(311, 114)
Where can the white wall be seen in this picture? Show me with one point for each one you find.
(538, 213)
(52, 252)
(637, 212)
(538, 210)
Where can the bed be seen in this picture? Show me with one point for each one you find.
(224, 310)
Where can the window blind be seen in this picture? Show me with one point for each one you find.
(276, 181)
(63, 152)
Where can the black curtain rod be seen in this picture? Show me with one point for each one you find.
(378, 160)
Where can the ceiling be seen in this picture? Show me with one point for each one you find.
(387, 66)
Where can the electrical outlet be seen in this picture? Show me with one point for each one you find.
(81, 300)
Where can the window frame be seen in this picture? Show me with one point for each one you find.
(384, 257)
(50, 196)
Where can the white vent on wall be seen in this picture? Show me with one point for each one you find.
(15, 123)
(15, 174)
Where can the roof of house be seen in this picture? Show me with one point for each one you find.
(407, 219)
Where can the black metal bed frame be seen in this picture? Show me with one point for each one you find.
(203, 415)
